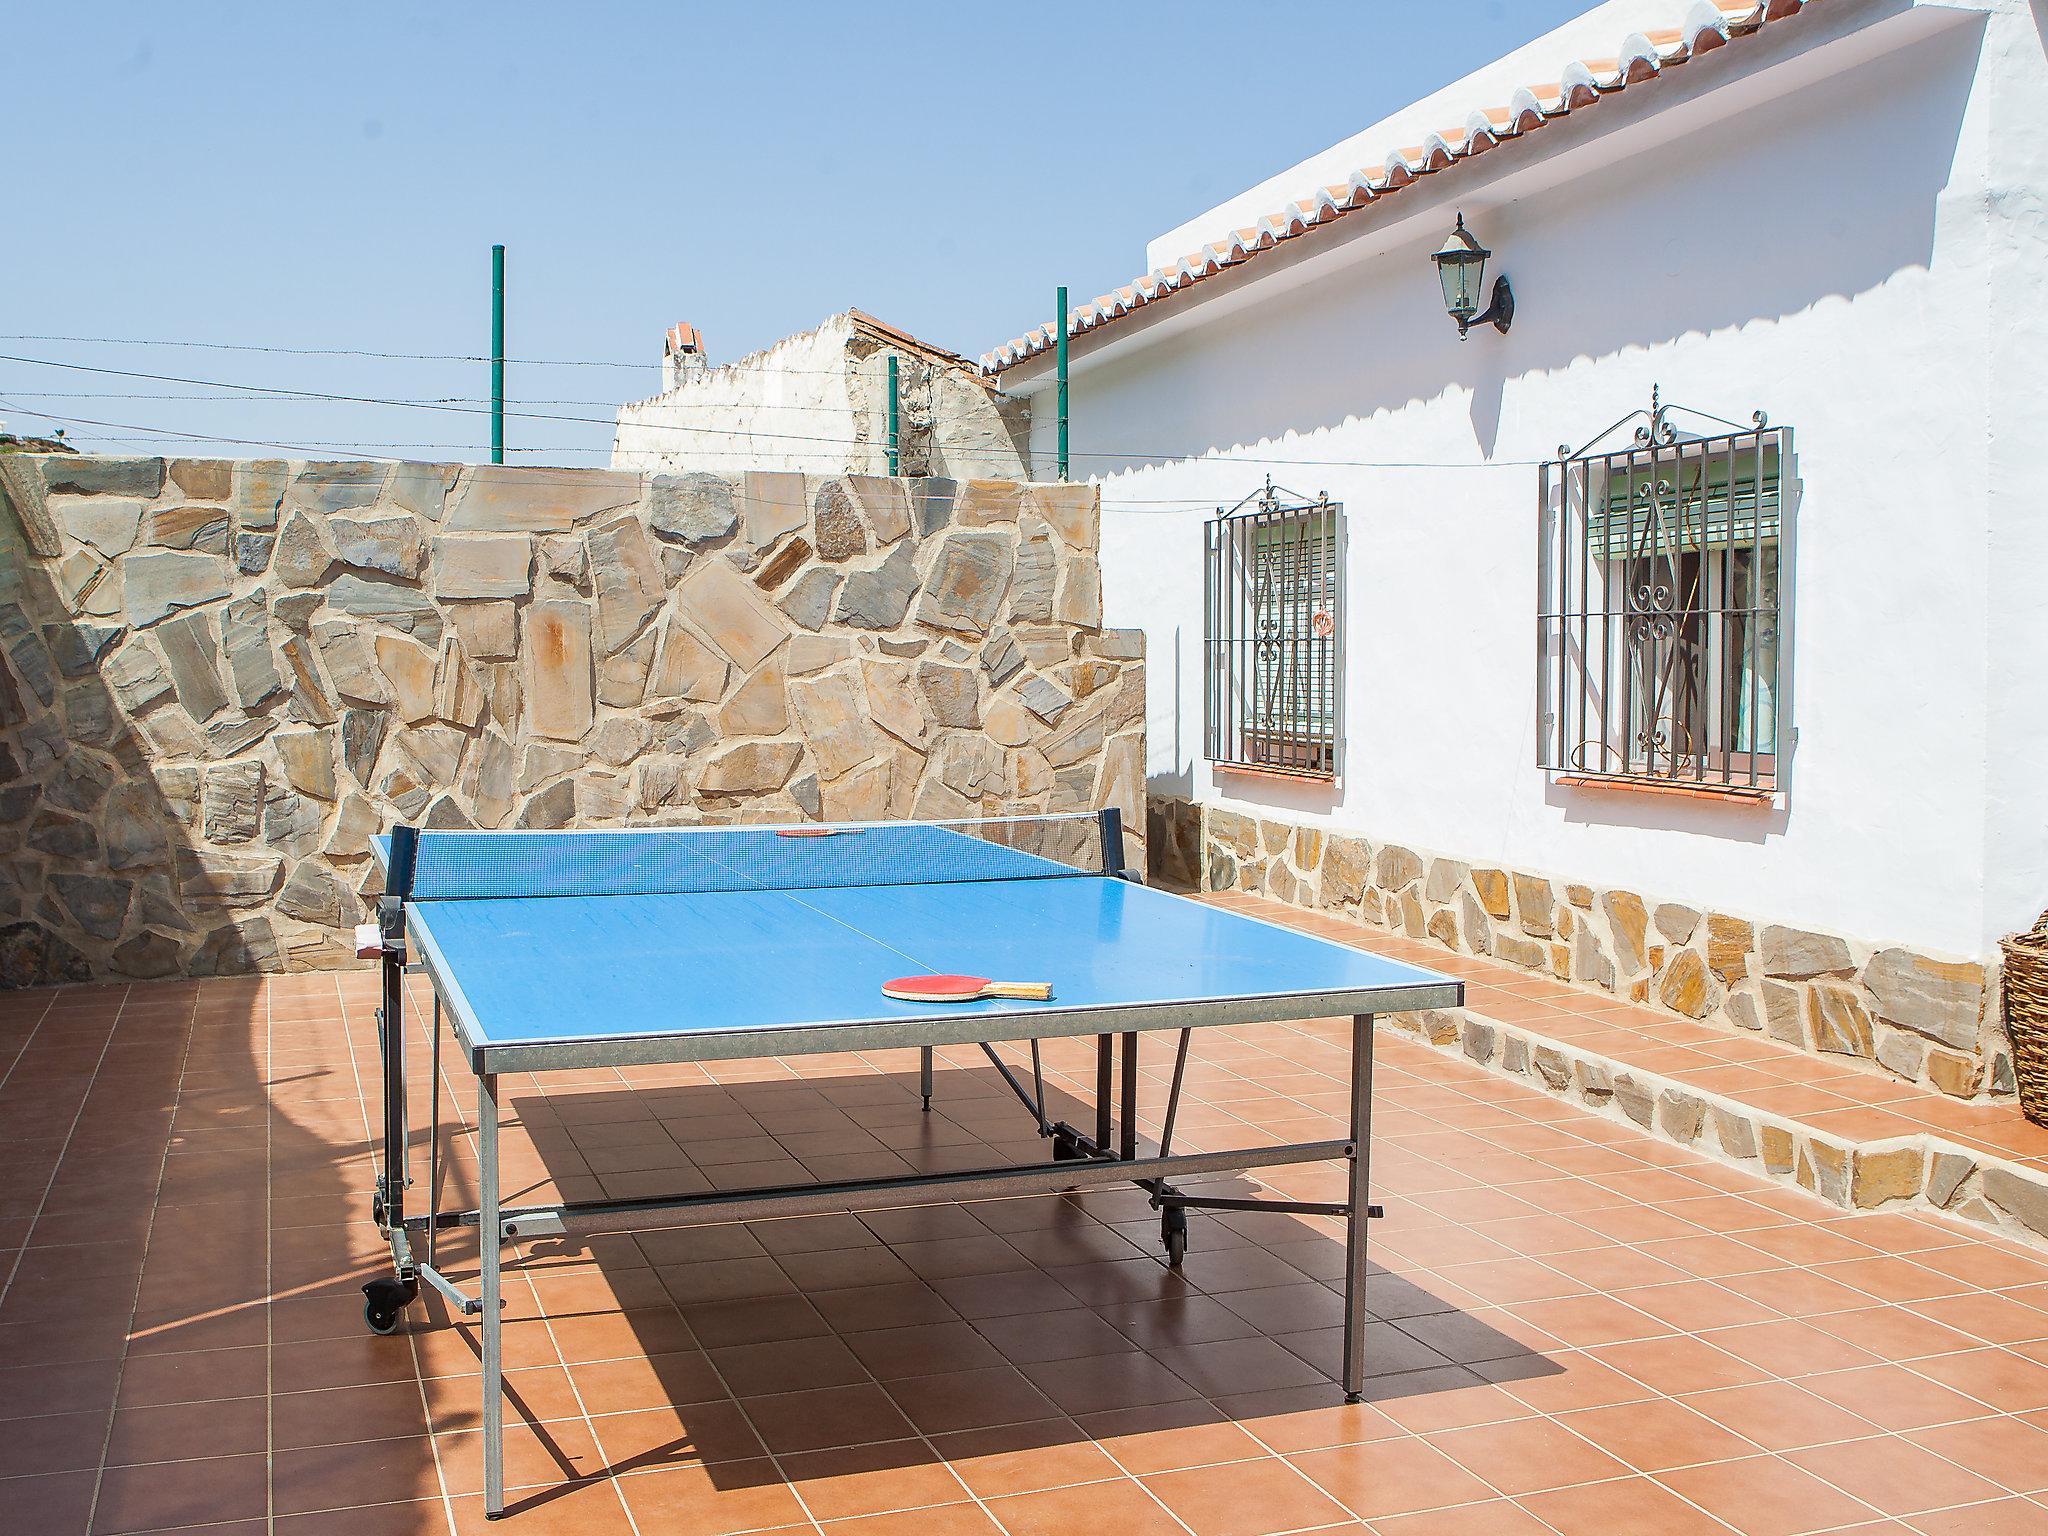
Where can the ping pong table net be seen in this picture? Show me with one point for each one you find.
(468, 865)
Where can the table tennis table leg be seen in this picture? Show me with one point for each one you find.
(1127, 1145)
(490, 1239)
(924, 1074)
(1105, 1091)
(434, 1135)
(1359, 1216)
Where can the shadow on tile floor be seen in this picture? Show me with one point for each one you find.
(893, 1344)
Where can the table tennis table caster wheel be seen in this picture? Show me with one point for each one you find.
(1173, 1232)
(385, 1301)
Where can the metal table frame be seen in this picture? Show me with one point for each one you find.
(1104, 1155)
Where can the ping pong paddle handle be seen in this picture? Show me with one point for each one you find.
(1029, 991)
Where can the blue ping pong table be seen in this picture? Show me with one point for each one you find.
(564, 950)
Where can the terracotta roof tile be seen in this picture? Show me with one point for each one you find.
(1642, 56)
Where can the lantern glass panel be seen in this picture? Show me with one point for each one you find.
(1461, 276)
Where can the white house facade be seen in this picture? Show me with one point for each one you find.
(1746, 716)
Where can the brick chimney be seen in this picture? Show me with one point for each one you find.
(682, 354)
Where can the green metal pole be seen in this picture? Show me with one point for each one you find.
(1060, 331)
(497, 354)
(895, 459)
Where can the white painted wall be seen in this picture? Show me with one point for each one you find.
(1854, 243)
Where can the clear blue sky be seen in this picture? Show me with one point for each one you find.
(333, 177)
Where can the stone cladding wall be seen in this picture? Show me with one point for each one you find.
(1925, 1018)
(219, 679)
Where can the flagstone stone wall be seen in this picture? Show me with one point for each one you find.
(1928, 1019)
(219, 679)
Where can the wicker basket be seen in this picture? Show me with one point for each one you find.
(2026, 1016)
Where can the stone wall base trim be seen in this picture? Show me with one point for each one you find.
(1924, 1018)
(1919, 1172)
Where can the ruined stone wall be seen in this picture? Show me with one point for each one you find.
(818, 403)
(1924, 1018)
(219, 679)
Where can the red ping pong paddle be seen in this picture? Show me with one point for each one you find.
(962, 989)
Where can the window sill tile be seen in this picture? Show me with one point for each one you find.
(1291, 776)
(1763, 797)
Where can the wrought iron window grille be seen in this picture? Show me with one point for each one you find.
(1273, 634)
(1662, 628)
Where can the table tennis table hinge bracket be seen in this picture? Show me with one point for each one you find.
(467, 1305)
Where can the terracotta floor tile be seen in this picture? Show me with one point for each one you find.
(174, 1493)
(1024, 1458)
(1763, 1496)
(337, 1476)
(334, 1416)
(1323, 1426)
(1895, 1476)
(870, 1479)
(1527, 1455)
(1892, 1333)
(704, 1501)
(1573, 1379)
(72, 1442)
(615, 1386)
(1585, 1321)
(997, 1295)
(1678, 1364)
(1490, 1517)
(2011, 1452)
(755, 1321)
(1040, 1336)
(1176, 1320)
(2006, 1381)
(1789, 1348)
(1121, 1506)
(205, 1376)
(1998, 1517)
(1101, 1382)
(1896, 1398)
(1247, 1498)
(418, 1517)
(1656, 1435)
(536, 1456)
(1391, 1477)
(1628, 1504)
(944, 1520)
(828, 1417)
(53, 1502)
(579, 1509)
(786, 1365)
(678, 1436)
(978, 1399)
(1237, 1365)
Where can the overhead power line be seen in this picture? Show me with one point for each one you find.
(238, 346)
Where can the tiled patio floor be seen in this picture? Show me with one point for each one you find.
(1578, 1328)
(1858, 1103)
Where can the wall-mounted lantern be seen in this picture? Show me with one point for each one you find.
(1461, 266)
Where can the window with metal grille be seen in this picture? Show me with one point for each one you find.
(1659, 627)
(1273, 634)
